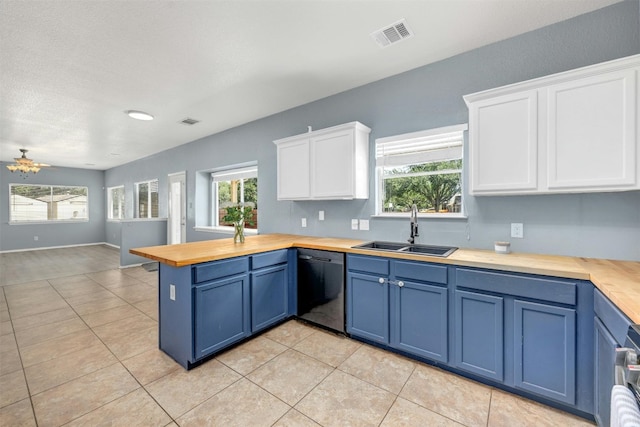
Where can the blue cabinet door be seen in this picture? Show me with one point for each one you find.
(479, 334)
(605, 359)
(544, 347)
(221, 314)
(269, 298)
(419, 320)
(368, 307)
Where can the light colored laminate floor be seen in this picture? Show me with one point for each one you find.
(79, 347)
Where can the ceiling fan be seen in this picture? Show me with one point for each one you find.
(24, 165)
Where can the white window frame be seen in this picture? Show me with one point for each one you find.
(149, 199)
(227, 174)
(439, 144)
(110, 202)
(47, 221)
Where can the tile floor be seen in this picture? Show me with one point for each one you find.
(78, 347)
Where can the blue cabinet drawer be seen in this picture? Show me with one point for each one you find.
(420, 271)
(368, 264)
(217, 269)
(544, 289)
(268, 258)
(612, 318)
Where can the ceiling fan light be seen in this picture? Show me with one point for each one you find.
(139, 115)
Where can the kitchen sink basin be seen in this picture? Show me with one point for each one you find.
(429, 250)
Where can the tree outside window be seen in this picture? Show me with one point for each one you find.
(232, 188)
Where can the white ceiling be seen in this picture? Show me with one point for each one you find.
(69, 69)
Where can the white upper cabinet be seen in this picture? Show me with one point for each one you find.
(576, 131)
(331, 163)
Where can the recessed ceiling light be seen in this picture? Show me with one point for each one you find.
(139, 115)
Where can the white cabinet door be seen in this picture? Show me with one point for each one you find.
(332, 165)
(503, 144)
(591, 134)
(293, 170)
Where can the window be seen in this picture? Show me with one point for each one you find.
(147, 199)
(422, 168)
(45, 203)
(233, 187)
(115, 202)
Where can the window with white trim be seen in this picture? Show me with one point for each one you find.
(115, 202)
(422, 168)
(48, 203)
(147, 199)
(233, 187)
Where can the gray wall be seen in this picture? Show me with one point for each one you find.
(21, 236)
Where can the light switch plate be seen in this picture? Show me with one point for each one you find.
(304, 222)
(354, 224)
(364, 224)
(321, 215)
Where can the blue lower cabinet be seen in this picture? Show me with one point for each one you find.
(221, 314)
(368, 307)
(605, 358)
(545, 350)
(479, 334)
(269, 296)
(419, 320)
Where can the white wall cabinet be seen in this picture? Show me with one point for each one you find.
(576, 131)
(331, 163)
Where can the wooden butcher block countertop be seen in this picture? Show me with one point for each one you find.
(618, 280)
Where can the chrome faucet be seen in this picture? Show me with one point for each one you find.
(414, 224)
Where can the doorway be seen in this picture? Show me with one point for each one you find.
(177, 218)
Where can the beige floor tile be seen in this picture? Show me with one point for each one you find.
(124, 326)
(290, 333)
(453, 396)
(378, 367)
(73, 399)
(294, 418)
(6, 327)
(242, 404)
(135, 409)
(406, 414)
(133, 343)
(57, 347)
(4, 312)
(150, 365)
(100, 295)
(135, 293)
(110, 315)
(8, 342)
(19, 414)
(42, 333)
(95, 306)
(53, 372)
(52, 316)
(75, 285)
(9, 361)
(251, 354)
(342, 400)
(13, 389)
(181, 390)
(510, 410)
(113, 278)
(23, 289)
(49, 303)
(316, 345)
(290, 375)
(149, 307)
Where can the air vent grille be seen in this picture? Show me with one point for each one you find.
(189, 122)
(392, 34)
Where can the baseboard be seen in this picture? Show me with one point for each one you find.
(60, 247)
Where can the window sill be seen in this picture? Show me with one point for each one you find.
(224, 230)
(405, 215)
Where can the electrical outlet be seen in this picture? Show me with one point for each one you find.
(364, 224)
(321, 215)
(172, 292)
(354, 224)
(304, 222)
(517, 230)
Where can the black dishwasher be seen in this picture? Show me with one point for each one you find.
(321, 288)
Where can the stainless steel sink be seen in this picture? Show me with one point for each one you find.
(429, 250)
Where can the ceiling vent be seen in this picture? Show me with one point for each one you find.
(392, 34)
(189, 122)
